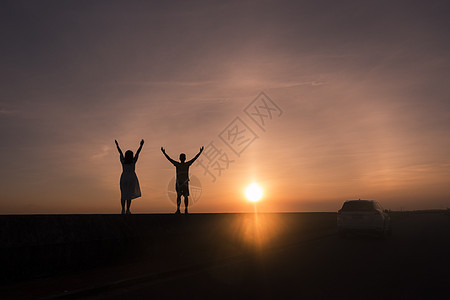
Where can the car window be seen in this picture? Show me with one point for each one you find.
(358, 206)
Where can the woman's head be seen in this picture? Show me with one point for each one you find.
(128, 157)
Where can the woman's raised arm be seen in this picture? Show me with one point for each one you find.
(118, 149)
(139, 150)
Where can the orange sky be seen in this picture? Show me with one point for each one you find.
(362, 88)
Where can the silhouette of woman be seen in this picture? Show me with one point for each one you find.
(129, 183)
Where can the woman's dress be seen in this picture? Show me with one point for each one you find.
(129, 183)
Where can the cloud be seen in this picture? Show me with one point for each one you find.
(170, 83)
(230, 82)
(5, 111)
(102, 153)
(297, 84)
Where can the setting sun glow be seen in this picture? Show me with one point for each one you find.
(253, 192)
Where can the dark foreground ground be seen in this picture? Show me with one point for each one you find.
(209, 256)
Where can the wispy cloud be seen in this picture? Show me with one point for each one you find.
(230, 82)
(169, 83)
(105, 150)
(5, 111)
(296, 84)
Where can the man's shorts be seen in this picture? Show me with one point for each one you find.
(182, 189)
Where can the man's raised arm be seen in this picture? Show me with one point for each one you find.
(198, 154)
(167, 156)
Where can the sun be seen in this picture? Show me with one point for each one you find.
(253, 192)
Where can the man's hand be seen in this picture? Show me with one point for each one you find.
(117, 144)
(142, 142)
(163, 150)
(201, 149)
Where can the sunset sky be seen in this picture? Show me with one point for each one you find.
(362, 87)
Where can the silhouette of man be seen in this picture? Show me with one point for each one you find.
(182, 182)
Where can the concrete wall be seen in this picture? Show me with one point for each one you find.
(43, 245)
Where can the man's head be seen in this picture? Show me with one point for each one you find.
(182, 157)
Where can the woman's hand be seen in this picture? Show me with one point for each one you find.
(142, 142)
(118, 148)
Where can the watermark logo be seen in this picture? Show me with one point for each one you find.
(195, 190)
(214, 161)
(262, 110)
(219, 155)
(238, 136)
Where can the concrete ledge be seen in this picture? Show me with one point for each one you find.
(43, 245)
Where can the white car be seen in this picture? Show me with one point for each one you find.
(363, 216)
